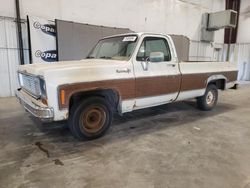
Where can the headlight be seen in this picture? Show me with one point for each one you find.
(34, 85)
(43, 88)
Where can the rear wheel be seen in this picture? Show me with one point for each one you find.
(91, 118)
(209, 100)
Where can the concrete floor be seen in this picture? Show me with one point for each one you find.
(172, 146)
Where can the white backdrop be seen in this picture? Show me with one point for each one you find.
(182, 17)
(42, 39)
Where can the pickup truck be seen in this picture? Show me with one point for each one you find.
(122, 73)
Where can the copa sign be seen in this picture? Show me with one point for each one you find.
(48, 56)
(42, 36)
(46, 28)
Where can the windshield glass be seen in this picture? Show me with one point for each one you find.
(117, 48)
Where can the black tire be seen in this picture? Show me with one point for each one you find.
(209, 100)
(90, 119)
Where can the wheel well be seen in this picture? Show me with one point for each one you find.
(220, 83)
(109, 94)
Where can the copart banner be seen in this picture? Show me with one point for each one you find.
(42, 40)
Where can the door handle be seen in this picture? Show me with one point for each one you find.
(125, 70)
(171, 64)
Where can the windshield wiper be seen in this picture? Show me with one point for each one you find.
(105, 57)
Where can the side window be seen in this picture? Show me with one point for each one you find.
(153, 44)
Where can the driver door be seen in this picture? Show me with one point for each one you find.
(156, 82)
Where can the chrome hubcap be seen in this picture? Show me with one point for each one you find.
(210, 98)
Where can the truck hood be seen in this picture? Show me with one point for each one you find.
(42, 68)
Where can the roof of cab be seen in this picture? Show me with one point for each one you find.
(138, 34)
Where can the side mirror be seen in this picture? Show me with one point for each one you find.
(156, 57)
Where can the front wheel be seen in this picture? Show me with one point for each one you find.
(209, 100)
(90, 119)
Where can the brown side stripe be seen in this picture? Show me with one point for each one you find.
(153, 86)
(125, 88)
(198, 81)
(144, 87)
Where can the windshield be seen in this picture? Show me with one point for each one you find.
(117, 48)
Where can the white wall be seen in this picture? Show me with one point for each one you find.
(9, 55)
(241, 53)
(164, 16)
(244, 22)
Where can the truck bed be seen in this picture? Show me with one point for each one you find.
(196, 75)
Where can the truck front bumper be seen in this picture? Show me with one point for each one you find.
(35, 107)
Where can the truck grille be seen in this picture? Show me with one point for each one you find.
(30, 83)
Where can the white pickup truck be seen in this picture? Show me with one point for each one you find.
(121, 74)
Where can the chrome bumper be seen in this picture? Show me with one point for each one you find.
(41, 112)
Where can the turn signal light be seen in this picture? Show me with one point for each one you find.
(62, 96)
